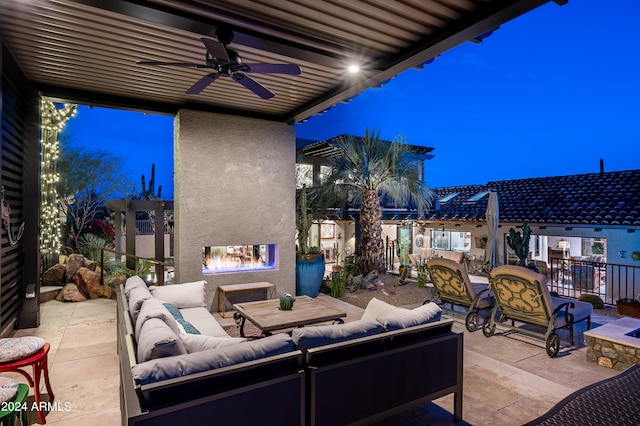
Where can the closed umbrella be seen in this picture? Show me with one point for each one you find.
(493, 217)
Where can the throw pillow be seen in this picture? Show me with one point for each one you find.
(157, 340)
(153, 308)
(310, 337)
(163, 369)
(424, 314)
(184, 325)
(133, 282)
(199, 342)
(378, 308)
(188, 295)
(136, 297)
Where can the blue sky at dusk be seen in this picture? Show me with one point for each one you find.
(548, 94)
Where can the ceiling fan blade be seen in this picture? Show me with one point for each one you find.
(173, 64)
(216, 49)
(253, 85)
(290, 69)
(202, 84)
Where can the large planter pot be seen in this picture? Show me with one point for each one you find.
(309, 274)
(629, 309)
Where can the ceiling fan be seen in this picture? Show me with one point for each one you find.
(228, 63)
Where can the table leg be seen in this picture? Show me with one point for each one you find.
(240, 322)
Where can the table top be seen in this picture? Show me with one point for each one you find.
(267, 315)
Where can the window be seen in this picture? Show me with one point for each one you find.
(451, 240)
(477, 197)
(448, 197)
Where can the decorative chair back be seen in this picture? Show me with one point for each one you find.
(451, 281)
(521, 294)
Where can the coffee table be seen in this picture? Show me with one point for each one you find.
(267, 315)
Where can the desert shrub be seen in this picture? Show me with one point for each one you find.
(101, 229)
(594, 299)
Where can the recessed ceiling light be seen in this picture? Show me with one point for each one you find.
(353, 68)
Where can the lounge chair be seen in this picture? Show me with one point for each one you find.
(522, 295)
(452, 284)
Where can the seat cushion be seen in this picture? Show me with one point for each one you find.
(8, 389)
(580, 311)
(203, 321)
(16, 348)
(311, 337)
(198, 342)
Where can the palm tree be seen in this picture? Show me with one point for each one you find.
(368, 169)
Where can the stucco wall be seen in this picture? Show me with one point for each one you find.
(234, 184)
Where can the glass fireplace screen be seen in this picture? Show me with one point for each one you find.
(239, 258)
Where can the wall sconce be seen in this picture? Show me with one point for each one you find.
(542, 227)
(622, 253)
(598, 230)
(568, 228)
(630, 231)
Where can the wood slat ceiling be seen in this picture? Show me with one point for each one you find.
(85, 50)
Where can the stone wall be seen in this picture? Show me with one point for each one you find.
(611, 355)
(234, 184)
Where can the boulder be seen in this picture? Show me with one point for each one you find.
(74, 262)
(105, 291)
(54, 276)
(91, 264)
(88, 282)
(70, 293)
(115, 281)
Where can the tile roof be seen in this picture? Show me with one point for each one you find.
(608, 198)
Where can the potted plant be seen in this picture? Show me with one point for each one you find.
(423, 274)
(309, 260)
(629, 307)
(336, 258)
(519, 243)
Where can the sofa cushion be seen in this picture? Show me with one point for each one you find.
(136, 297)
(202, 319)
(157, 340)
(185, 326)
(426, 313)
(378, 308)
(310, 337)
(199, 342)
(153, 308)
(166, 368)
(188, 295)
(133, 282)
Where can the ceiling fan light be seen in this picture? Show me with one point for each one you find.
(353, 68)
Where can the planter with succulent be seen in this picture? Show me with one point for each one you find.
(309, 260)
(519, 243)
(423, 274)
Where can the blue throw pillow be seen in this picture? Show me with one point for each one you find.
(174, 311)
(188, 327)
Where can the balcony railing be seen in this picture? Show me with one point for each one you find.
(571, 278)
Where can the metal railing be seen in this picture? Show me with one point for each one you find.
(572, 278)
(159, 266)
(145, 227)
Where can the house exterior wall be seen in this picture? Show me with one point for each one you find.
(235, 185)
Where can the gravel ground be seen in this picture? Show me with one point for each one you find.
(410, 295)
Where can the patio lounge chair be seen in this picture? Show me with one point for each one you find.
(522, 295)
(452, 284)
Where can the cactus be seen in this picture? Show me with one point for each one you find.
(519, 243)
(286, 302)
(149, 194)
(303, 221)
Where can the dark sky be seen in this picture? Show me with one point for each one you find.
(548, 94)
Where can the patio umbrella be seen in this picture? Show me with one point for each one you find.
(493, 217)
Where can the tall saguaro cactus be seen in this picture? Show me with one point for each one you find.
(519, 243)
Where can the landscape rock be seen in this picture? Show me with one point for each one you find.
(70, 293)
(74, 262)
(105, 291)
(88, 282)
(54, 276)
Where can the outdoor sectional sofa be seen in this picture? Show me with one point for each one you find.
(391, 360)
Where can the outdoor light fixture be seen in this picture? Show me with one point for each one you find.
(630, 231)
(598, 229)
(568, 228)
(564, 245)
(353, 68)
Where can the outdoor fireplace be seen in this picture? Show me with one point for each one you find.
(239, 258)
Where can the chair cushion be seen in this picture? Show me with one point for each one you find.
(8, 389)
(424, 314)
(157, 340)
(580, 311)
(310, 337)
(183, 365)
(199, 342)
(202, 319)
(378, 308)
(16, 348)
(188, 295)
